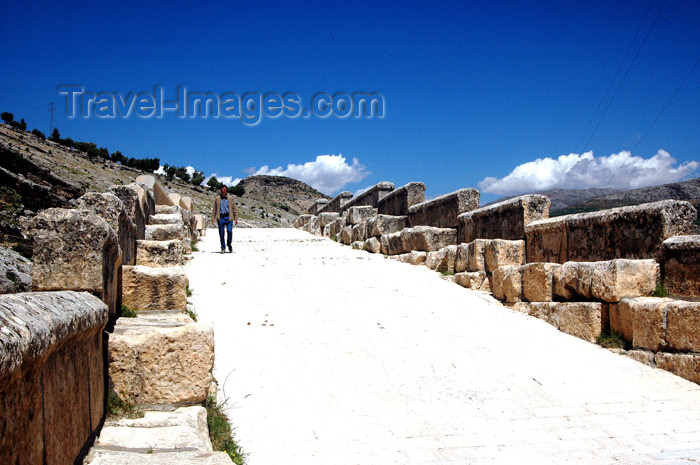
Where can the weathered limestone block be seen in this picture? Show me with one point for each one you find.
(358, 215)
(358, 245)
(403, 258)
(443, 260)
(301, 220)
(681, 266)
(324, 219)
(427, 238)
(166, 218)
(165, 232)
(159, 253)
(461, 258)
(500, 252)
(504, 220)
(154, 288)
(15, 272)
(75, 250)
(159, 192)
(506, 283)
(373, 245)
(161, 361)
(580, 319)
(186, 203)
(335, 227)
(609, 281)
(615, 280)
(628, 232)
(538, 281)
(442, 212)
(131, 196)
(179, 457)
(111, 209)
(385, 224)
(346, 235)
(641, 321)
(398, 202)
(336, 203)
(166, 210)
(318, 203)
(475, 280)
(175, 198)
(432, 259)
(371, 196)
(683, 326)
(312, 226)
(51, 375)
(359, 232)
(476, 255)
(392, 244)
(684, 365)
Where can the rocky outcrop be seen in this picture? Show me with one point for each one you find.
(15, 272)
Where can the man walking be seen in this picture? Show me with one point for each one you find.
(224, 211)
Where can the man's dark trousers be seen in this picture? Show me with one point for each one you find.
(224, 222)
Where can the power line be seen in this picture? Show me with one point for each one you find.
(629, 68)
(612, 81)
(667, 104)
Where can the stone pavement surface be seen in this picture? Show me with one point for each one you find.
(334, 356)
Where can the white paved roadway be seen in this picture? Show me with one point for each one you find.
(332, 356)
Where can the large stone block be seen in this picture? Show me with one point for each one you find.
(445, 259)
(312, 226)
(683, 326)
(476, 255)
(608, 281)
(110, 208)
(159, 253)
(51, 375)
(392, 244)
(75, 250)
(648, 322)
(503, 220)
(165, 232)
(336, 203)
(398, 202)
(132, 196)
(684, 365)
(628, 232)
(538, 281)
(301, 220)
(500, 252)
(357, 215)
(161, 360)
(359, 232)
(159, 192)
(427, 238)
(154, 288)
(385, 224)
(580, 319)
(324, 219)
(681, 266)
(314, 208)
(346, 235)
(476, 280)
(507, 283)
(371, 196)
(442, 212)
(166, 210)
(335, 227)
(167, 218)
(373, 245)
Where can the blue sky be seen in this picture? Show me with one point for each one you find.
(477, 94)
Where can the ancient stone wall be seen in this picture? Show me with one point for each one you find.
(371, 196)
(51, 375)
(336, 204)
(442, 212)
(316, 206)
(397, 202)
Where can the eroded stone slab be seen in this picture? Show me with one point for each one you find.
(147, 288)
(442, 212)
(159, 253)
(681, 266)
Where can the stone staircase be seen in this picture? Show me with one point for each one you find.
(160, 361)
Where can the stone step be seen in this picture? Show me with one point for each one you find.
(105, 457)
(161, 358)
(165, 232)
(147, 288)
(159, 253)
(166, 218)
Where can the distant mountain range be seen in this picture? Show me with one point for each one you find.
(566, 201)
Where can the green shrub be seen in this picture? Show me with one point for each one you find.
(220, 433)
(191, 313)
(129, 312)
(660, 290)
(610, 340)
(118, 408)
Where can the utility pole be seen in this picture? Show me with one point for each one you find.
(51, 118)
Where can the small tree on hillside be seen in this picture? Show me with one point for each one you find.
(7, 117)
(237, 190)
(39, 134)
(213, 183)
(197, 178)
(55, 135)
(170, 171)
(183, 174)
(23, 125)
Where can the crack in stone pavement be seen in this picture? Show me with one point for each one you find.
(372, 361)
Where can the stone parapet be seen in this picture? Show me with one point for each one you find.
(442, 212)
(316, 206)
(681, 266)
(628, 232)
(75, 250)
(132, 196)
(398, 201)
(336, 203)
(110, 208)
(51, 375)
(504, 220)
(427, 238)
(385, 224)
(371, 196)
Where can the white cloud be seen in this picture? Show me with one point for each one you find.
(328, 173)
(619, 170)
(228, 180)
(160, 170)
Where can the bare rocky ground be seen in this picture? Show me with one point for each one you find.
(329, 355)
